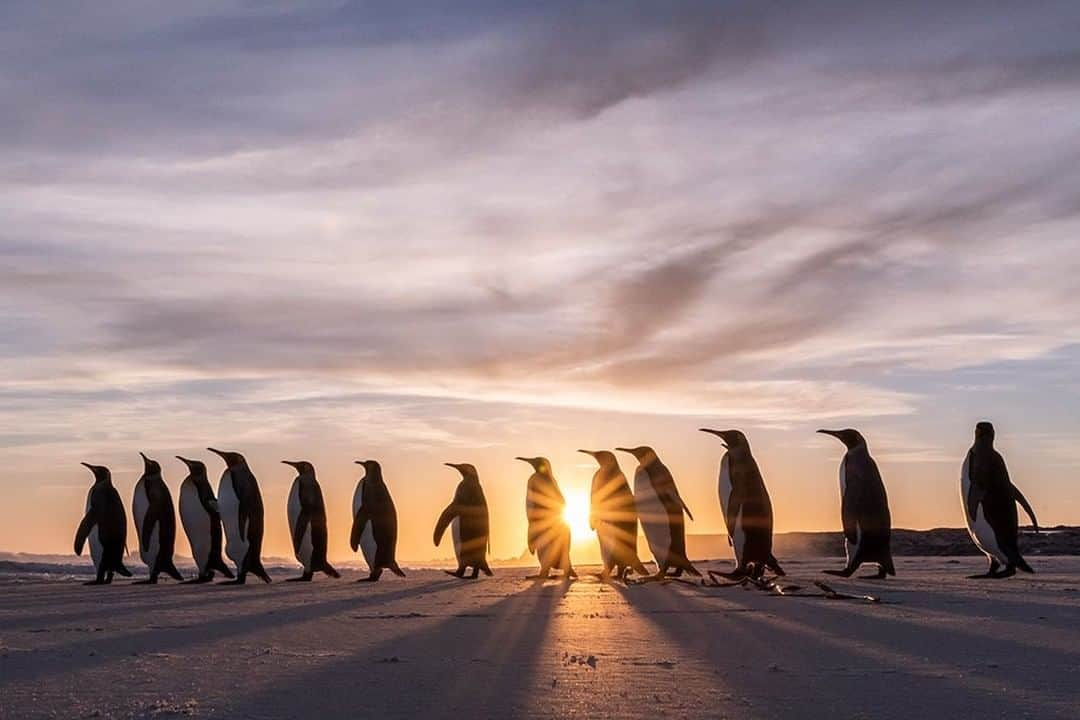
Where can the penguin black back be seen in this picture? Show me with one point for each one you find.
(377, 507)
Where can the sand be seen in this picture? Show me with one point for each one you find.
(433, 646)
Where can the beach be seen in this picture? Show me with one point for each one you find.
(937, 646)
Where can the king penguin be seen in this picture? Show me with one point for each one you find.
(613, 515)
(374, 528)
(155, 522)
(747, 508)
(989, 499)
(864, 508)
(548, 534)
(660, 509)
(241, 506)
(307, 522)
(467, 518)
(106, 521)
(201, 519)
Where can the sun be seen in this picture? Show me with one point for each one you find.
(576, 515)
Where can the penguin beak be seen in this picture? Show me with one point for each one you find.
(452, 465)
(625, 450)
(88, 466)
(219, 453)
(717, 433)
(831, 433)
(360, 462)
(292, 463)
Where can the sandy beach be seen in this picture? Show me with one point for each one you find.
(432, 646)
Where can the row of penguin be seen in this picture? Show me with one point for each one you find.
(233, 520)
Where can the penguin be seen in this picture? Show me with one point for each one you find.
(106, 519)
(467, 518)
(747, 508)
(374, 526)
(613, 515)
(155, 522)
(241, 507)
(660, 509)
(548, 534)
(201, 519)
(307, 522)
(864, 508)
(989, 500)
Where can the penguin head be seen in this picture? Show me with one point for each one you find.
(372, 469)
(468, 472)
(539, 464)
(643, 453)
(232, 459)
(303, 467)
(196, 468)
(150, 467)
(101, 473)
(734, 440)
(984, 433)
(851, 438)
(603, 457)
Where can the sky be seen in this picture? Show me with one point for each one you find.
(467, 231)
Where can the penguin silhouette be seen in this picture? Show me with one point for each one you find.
(307, 522)
(548, 533)
(241, 506)
(106, 518)
(747, 508)
(374, 528)
(467, 518)
(155, 522)
(989, 499)
(201, 518)
(864, 508)
(613, 515)
(660, 509)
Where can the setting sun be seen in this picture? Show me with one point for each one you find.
(576, 515)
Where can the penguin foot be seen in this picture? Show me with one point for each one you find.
(459, 574)
(368, 580)
(879, 575)
(985, 576)
(845, 573)
(235, 581)
(306, 577)
(201, 580)
(148, 581)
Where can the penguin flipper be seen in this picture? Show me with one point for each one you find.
(359, 522)
(685, 508)
(147, 530)
(303, 520)
(445, 519)
(83, 532)
(1019, 497)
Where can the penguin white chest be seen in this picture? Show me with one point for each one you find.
(304, 551)
(849, 548)
(653, 515)
(196, 522)
(978, 528)
(736, 532)
(140, 508)
(94, 540)
(229, 506)
(367, 538)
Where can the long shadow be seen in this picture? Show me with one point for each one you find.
(477, 662)
(748, 635)
(211, 630)
(117, 600)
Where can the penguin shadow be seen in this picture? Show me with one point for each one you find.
(272, 615)
(119, 598)
(767, 643)
(478, 660)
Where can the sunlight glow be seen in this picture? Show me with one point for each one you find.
(576, 515)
